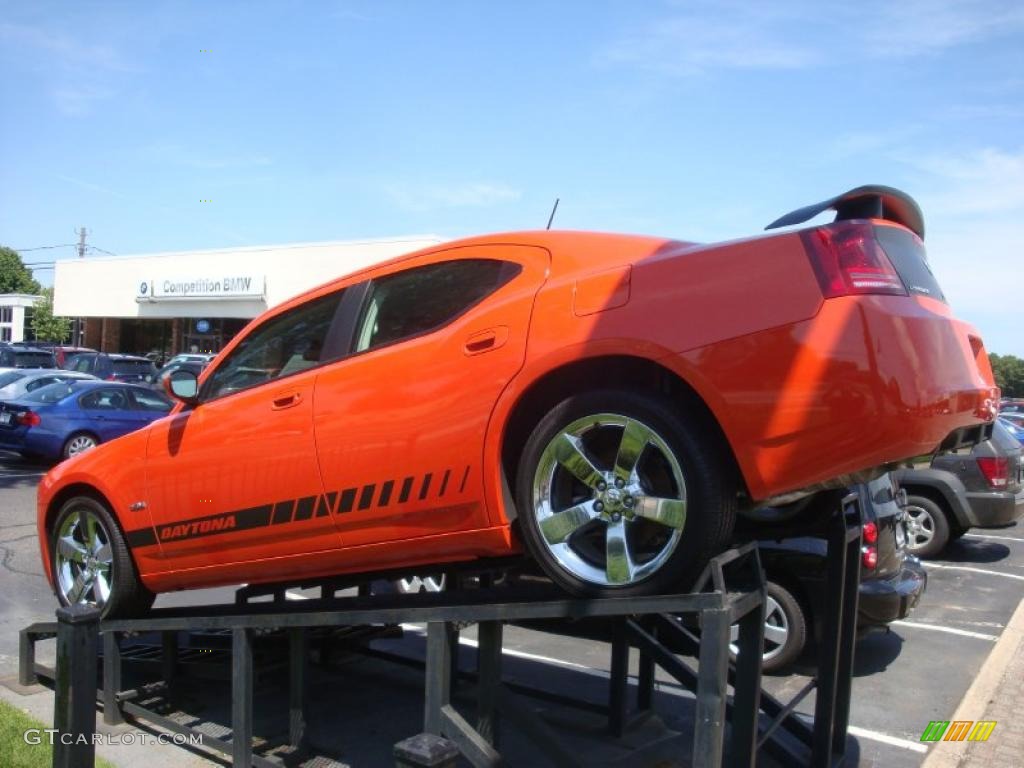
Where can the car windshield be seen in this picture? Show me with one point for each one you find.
(10, 377)
(52, 393)
(33, 359)
(135, 367)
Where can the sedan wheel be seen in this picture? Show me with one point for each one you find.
(77, 444)
(616, 496)
(785, 629)
(83, 560)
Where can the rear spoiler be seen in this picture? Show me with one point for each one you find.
(870, 202)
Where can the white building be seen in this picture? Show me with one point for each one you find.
(13, 308)
(199, 299)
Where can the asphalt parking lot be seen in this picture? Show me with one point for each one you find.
(917, 672)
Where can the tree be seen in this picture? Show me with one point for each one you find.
(15, 277)
(45, 326)
(1009, 373)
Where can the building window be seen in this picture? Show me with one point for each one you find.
(6, 314)
(5, 333)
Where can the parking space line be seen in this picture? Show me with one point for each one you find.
(950, 630)
(992, 536)
(971, 569)
(884, 738)
(21, 474)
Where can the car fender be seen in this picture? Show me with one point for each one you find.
(947, 485)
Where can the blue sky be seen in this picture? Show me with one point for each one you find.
(304, 121)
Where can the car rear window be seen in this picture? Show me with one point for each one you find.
(34, 360)
(51, 394)
(10, 377)
(133, 367)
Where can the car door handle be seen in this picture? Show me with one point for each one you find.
(286, 401)
(485, 341)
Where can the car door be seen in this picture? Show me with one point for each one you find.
(400, 422)
(107, 412)
(235, 478)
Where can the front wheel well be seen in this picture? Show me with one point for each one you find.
(936, 496)
(69, 492)
(634, 374)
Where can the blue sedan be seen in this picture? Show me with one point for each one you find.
(61, 420)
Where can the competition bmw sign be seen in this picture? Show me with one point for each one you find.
(237, 286)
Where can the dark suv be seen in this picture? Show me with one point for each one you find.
(892, 580)
(17, 356)
(982, 487)
(113, 367)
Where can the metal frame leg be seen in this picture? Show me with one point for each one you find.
(439, 675)
(618, 701)
(489, 635)
(112, 714)
(74, 704)
(296, 685)
(712, 681)
(26, 658)
(241, 695)
(746, 701)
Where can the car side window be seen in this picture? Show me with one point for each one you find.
(423, 299)
(151, 401)
(40, 382)
(285, 344)
(104, 400)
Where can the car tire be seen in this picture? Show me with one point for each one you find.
(645, 526)
(927, 527)
(785, 628)
(79, 443)
(91, 563)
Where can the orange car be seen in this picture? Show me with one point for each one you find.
(606, 403)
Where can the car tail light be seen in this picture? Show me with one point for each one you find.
(869, 557)
(870, 533)
(29, 419)
(848, 260)
(996, 470)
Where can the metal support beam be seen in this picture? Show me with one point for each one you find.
(26, 657)
(169, 655)
(74, 707)
(618, 682)
(489, 637)
(296, 686)
(438, 674)
(712, 676)
(747, 688)
(111, 678)
(241, 695)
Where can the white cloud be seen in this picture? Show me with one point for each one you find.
(428, 197)
(916, 27)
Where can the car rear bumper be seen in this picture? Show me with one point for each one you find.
(886, 600)
(995, 510)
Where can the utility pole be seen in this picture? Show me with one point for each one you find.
(78, 331)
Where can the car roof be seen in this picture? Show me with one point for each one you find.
(136, 358)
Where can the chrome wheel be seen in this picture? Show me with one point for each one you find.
(610, 500)
(776, 631)
(79, 444)
(920, 527)
(414, 584)
(83, 560)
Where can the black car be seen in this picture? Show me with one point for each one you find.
(892, 580)
(18, 356)
(981, 487)
(132, 369)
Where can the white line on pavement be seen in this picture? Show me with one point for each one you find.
(950, 630)
(991, 536)
(969, 569)
(884, 738)
(21, 474)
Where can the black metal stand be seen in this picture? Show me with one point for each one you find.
(732, 592)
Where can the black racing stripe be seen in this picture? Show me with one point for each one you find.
(304, 509)
(465, 477)
(366, 497)
(348, 496)
(444, 482)
(406, 490)
(143, 537)
(243, 519)
(326, 505)
(385, 493)
(283, 512)
(425, 488)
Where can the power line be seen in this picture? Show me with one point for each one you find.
(95, 248)
(45, 247)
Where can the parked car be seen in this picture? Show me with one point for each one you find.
(66, 419)
(606, 403)
(981, 487)
(62, 352)
(26, 357)
(113, 367)
(193, 367)
(191, 357)
(892, 580)
(1014, 426)
(14, 384)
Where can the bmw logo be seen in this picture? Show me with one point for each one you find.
(143, 288)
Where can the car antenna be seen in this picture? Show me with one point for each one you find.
(552, 216)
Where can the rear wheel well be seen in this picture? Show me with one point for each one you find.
(608, 372)
(936, 496)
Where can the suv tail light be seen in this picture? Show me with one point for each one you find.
(29, 418)
(996, 470)
(848, 260)
(869, 552)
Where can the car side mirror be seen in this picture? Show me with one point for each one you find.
(182, 385)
